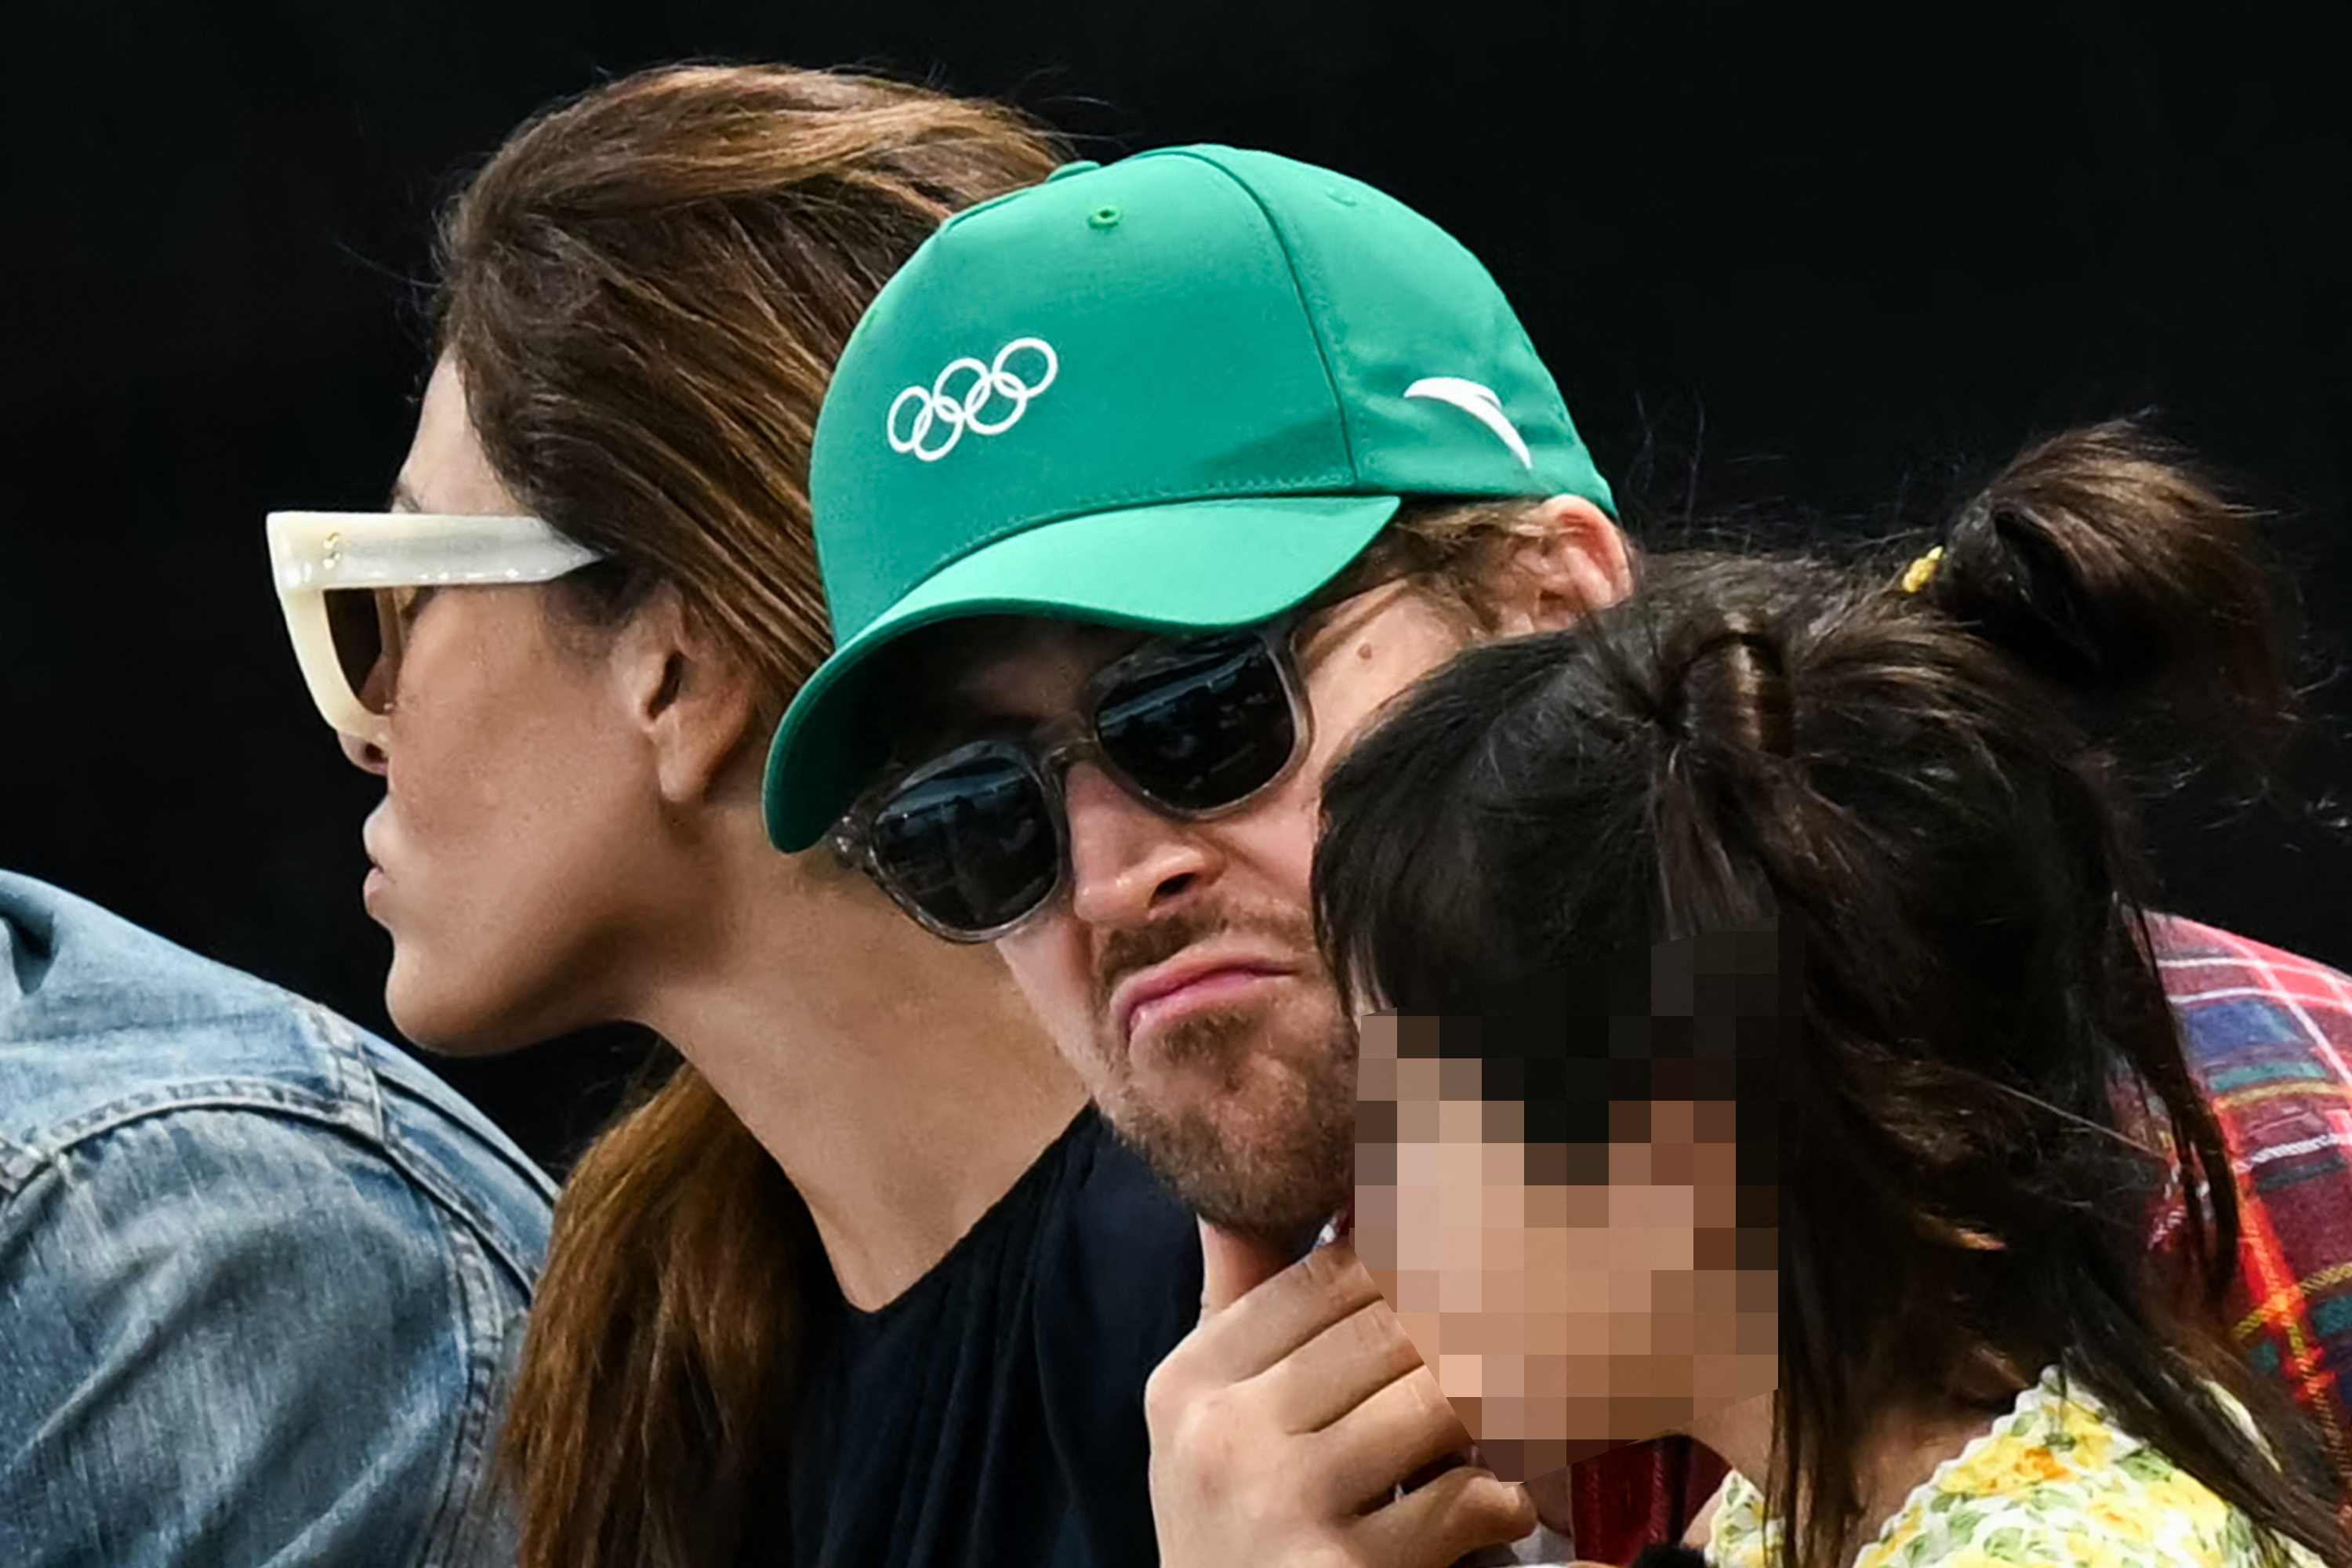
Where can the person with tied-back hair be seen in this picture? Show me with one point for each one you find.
(1955, 1061)
(863, 1281)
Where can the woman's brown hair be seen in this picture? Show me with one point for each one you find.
(644, 293)
(1983, 1091)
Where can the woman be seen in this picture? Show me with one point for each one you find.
(862, 1282)
(1819, 874)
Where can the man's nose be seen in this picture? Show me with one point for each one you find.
(1128, 862)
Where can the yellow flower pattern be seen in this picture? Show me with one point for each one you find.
(2054, 1484)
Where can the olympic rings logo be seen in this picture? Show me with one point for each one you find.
(936, 407)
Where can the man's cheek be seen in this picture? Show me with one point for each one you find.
(1050, 971)
(1267, 851)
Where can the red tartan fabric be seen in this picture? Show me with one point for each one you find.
(2269, 1036)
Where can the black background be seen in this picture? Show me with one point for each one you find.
(1822, 265)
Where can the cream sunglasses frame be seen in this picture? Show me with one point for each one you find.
(314, 553)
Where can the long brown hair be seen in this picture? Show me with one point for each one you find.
(1911, 771)
(644, 293)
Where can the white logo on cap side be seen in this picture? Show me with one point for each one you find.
(1478, 402)
(935, 407)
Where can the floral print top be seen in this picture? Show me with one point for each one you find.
(2054, 1482)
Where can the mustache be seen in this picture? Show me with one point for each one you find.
(1131, 950)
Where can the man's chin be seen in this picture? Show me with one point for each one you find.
(1291, 1232)
(1248, 1113)
(1273, 1181)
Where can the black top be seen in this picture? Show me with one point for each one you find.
(992, 1417)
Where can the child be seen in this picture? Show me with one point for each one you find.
(1806, 894)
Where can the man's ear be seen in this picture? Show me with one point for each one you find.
(693, 698)
(1560, 563)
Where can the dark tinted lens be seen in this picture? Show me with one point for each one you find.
(1202, 725)
(358, 630)
(972, 845)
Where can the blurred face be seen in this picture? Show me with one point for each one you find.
(1179, 973)
(512, 848)
(1568, 1242)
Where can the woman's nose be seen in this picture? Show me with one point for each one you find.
(366, 753)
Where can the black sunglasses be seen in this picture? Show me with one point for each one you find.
(976, 841)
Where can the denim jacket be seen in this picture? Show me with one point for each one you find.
(261, 1276)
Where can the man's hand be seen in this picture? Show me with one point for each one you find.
(1282, 1426)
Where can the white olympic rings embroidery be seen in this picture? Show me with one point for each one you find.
(934, 407)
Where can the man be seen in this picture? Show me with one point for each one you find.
(261, 1274)
(1218, 324)
(1199, 392)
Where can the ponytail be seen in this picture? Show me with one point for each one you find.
(2107, 568)
(660, 1351)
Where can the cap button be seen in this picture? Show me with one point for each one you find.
(1104, 218)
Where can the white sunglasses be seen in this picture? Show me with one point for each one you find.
(346, 579)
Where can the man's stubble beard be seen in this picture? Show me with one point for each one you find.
(1279, 1169)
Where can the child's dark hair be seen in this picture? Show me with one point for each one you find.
(1907, 767)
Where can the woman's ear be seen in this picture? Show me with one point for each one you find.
(690, 695)
(1564, 560)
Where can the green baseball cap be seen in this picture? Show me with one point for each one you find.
(1181, 392)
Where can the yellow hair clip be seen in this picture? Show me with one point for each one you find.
(1920, 572)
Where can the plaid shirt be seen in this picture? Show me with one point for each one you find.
(2269, 1035)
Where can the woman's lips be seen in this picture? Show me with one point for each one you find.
(377, 878)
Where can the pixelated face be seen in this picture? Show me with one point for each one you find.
(1570, 1200)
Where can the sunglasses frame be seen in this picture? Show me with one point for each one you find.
(1045, 756)
(314, 554)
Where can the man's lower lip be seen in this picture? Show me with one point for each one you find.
(1211, 990)
(374, 885)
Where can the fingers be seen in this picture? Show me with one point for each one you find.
(1271, 1321)
(1404, 1428)
(1286, 1421)
(1454, 1515)
(1339, 1369)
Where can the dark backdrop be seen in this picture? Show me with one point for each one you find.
(1823, 267)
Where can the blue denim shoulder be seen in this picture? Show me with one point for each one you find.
(261, 1275)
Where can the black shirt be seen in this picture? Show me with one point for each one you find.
(992, 1417)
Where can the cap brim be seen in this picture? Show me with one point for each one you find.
(1193, 565)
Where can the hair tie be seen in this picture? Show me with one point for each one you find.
(1922, 572)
